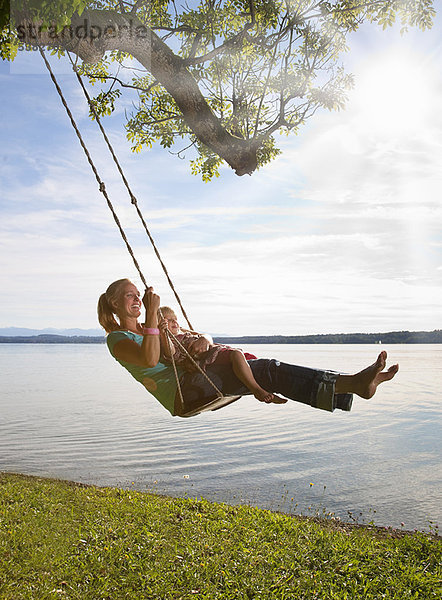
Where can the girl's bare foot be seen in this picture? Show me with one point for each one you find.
(278, 400)
(267, 397)
(365, 382)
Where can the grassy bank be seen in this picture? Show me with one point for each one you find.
(64, 540)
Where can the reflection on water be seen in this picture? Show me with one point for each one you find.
(72, 412)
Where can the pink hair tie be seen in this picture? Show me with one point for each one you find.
(151, 331)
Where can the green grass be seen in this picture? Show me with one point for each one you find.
(64, 540)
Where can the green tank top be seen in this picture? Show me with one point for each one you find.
(159, 380)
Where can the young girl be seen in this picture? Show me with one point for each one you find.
(204, 352)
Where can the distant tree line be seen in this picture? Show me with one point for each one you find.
(392, 337)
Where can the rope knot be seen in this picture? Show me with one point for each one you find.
(102, 186)
(133, 199)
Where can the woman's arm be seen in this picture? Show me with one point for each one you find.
(148, 354)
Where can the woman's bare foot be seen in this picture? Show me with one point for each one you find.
(365, 382)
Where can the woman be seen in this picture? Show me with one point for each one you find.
(137, 348)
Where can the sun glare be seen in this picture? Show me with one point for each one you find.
(393, 94)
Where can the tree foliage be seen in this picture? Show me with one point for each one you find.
(223, 76)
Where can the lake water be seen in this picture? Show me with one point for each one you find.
(70, 411)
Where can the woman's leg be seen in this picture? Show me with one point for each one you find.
(302, 384)
(320, 389)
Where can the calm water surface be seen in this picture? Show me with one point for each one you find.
(70, 411)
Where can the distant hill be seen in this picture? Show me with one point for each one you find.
(23, 331)
(392, 337)
(47, 338)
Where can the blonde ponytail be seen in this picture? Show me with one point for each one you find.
(106, 305)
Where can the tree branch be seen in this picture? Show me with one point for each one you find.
(227, 45)
(169, 69)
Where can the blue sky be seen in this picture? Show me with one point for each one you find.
(341, 233)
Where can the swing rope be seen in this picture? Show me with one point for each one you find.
(102, 189)
(101, 185)
(132, 196)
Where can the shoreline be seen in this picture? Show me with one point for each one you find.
(333, 523)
